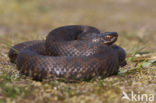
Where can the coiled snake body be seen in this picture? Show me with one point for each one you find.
(72, 52)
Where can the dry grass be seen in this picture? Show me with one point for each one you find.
(23, 20)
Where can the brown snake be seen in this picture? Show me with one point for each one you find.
(72, 52)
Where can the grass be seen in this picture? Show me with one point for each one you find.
(23, 20)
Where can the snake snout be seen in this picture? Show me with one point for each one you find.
(114, 34)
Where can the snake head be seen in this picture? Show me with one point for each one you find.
(107, 38)
(110, 37)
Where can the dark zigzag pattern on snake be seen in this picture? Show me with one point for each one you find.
(72, 52)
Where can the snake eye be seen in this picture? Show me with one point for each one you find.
(108, 37)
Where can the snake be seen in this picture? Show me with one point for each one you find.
(71, 53)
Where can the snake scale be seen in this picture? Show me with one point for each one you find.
(72, 52)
